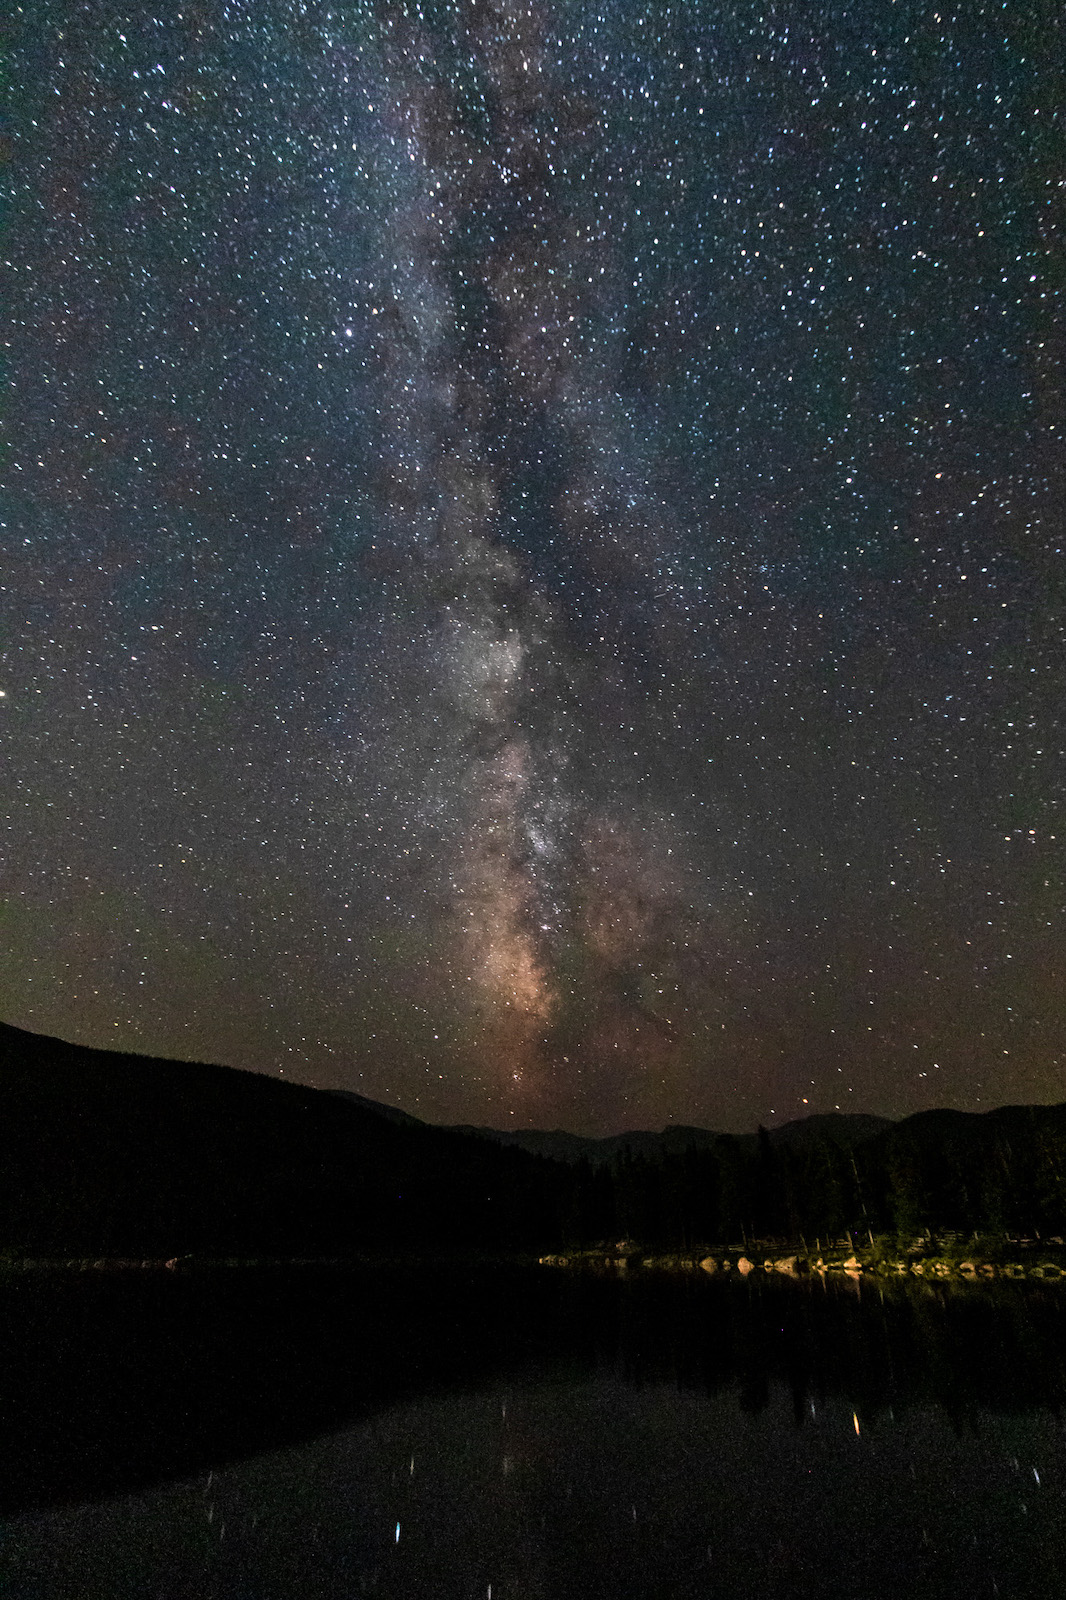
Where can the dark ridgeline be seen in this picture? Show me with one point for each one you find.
(112, 1155)
(121, 1155)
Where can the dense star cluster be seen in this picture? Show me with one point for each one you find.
(532, 550)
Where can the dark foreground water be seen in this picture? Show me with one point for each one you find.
(500, 1433)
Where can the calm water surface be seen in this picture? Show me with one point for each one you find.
(503, 1434)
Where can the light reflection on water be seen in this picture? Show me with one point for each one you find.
(593, 1476)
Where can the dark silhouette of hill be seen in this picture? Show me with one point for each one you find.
(845, 1129)
(103, 1154)
(826, 1176)
(998, 1170)
(110, 1154)
(559, 1145)
(392, 1113)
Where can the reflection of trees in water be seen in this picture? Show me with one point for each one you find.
(963, 1348)
(110, 1382)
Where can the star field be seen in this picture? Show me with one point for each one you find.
(533, 551)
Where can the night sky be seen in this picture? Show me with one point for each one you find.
(532, 551)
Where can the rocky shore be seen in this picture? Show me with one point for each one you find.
(928, 1260)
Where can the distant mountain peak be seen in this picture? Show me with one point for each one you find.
(846, 1128)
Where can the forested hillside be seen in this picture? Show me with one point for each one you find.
(115, 1155)
(108, 1154)
(1000, 1172)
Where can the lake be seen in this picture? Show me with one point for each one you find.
(500, 1432)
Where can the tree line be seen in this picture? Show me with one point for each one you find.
(1001, 1173)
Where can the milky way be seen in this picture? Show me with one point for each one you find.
(532, 554)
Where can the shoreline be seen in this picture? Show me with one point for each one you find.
(1014, 1261)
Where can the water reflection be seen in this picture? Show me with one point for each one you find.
(543, 1436)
